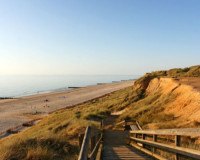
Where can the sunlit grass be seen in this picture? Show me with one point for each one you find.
(56, 136)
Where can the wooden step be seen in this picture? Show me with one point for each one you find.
(115, 147)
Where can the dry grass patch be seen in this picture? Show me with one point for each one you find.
(56, 136)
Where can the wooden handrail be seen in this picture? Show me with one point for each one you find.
(175, 149)
(89, 143)
(128, 124)
(83, 155)
(194, 132)
(120, 123)
(138, 125)
(95, 150)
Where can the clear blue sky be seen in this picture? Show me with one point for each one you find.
(98, 36)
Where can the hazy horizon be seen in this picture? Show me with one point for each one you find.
(112, 37)
(30, 84)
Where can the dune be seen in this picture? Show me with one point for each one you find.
(14, 112)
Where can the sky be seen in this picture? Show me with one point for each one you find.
(109, 37)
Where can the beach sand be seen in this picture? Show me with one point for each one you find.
(15, 112)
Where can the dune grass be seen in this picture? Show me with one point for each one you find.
(150, 110)
(56, 136)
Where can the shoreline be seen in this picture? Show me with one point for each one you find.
(24, 126)
(15, 112)
(56, 90)
(59, 90)
(17, 87)
(34, 93)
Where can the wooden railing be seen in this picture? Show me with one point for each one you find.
(129, 124)
(90, 144)
(149, 141)
(156, 143)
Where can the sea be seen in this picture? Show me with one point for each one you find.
(20, 85)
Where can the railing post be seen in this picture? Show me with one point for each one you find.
(143, 137)
(138, 125)
(125, 125)
(101, 125)
(177, 143)
(178, 150)
(93, 142)
(80, 139)
(154, 139)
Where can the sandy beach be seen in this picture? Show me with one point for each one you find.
(15, 112)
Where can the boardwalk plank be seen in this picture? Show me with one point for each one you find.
(115, 147)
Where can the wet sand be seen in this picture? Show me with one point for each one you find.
(15, 112)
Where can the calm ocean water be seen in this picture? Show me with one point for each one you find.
(14, 86)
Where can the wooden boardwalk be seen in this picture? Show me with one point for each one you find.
(115, 144)
(115, 147)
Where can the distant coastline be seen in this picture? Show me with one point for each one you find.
(34, 107)
(20, 86)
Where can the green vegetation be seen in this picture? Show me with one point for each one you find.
(193, 71)
(56, 136)
(150, 110)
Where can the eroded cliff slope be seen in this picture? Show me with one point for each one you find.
(166, 103)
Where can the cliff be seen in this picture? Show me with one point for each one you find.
(166, 103)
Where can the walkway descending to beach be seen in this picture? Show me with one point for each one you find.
(115, 144)
(116, 148)
(110, 142)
